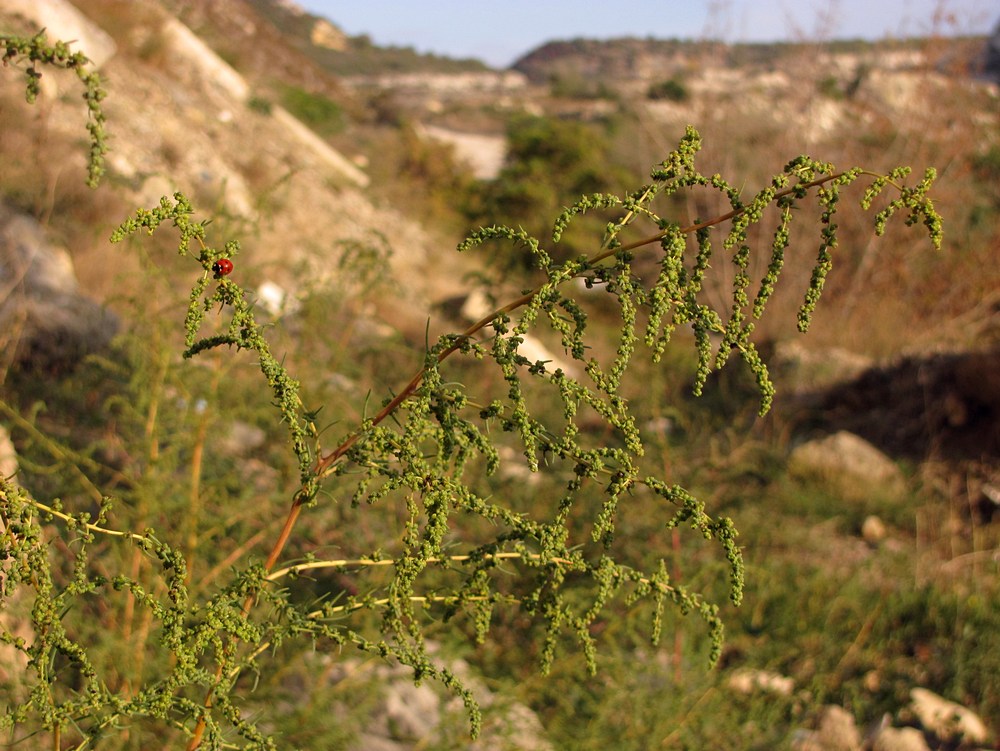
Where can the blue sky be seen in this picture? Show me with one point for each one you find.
(500, 31)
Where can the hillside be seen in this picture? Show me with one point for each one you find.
(868, 500)
(292, 190)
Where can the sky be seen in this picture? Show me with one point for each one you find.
(500, 31)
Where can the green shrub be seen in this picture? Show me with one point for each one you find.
(260, 105)
(319, 112)
(672, 90)
(547, 160)
(151, 617)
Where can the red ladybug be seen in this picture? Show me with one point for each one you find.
(222, 267)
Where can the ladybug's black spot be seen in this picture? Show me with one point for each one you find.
(222, 267)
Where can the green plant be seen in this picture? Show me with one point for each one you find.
(432, 449)
(37, 52)
(260, 105)
(673, 90)
(577, 87)
(319, 112)
(547, 159)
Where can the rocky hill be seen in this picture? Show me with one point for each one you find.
(184, 118)
(244, 104)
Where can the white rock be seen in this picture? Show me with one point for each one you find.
(182, 41)
(838, 730)
(483, 153)
(8, 456)
(477, 307)
(900, 739)
(946, 719)
(747, 681)
(411, 712)
(849, 461)
(808, 369)
(873, 530)
(275, 299)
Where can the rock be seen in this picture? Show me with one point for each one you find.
(242, 439)
(410, 712)
(186, 44)
(806, 740)
(945, 405)
(838, 730)
(8, 456)
(949, 721)
(519, 729)
(46, 323)
(900, 739)
(873, 530)
(804, 369)
(319, 148)
(369, 742)
(476, 306)
(483, 153)
(514, 467)
(325, 34)
(748, 681)
(276, 300)
(848, 462)
(407, 717)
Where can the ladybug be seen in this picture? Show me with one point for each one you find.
(222, 267)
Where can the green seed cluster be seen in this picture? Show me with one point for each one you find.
(38, 51)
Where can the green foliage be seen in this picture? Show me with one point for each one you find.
(433, 452)
(547, 160)
(320, 113)
(576, 87)
(260, 105)
(834, 88)
(672, 90)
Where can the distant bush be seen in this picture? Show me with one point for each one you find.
(672, 90)
(547, 159)
(579, 87)
(829, 86)
(319, 112)
(260, 105)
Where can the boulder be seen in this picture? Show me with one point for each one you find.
(803, 370)
(46, 323)
(900, 739)
(8, 456)
(836, 731)
(406, 717)
(949, 721)
(873, 530)
(848, 462)
(748, 681)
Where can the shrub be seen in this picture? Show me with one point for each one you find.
(96, 583)
(673, 90)
(260, 105)
(320, 113)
